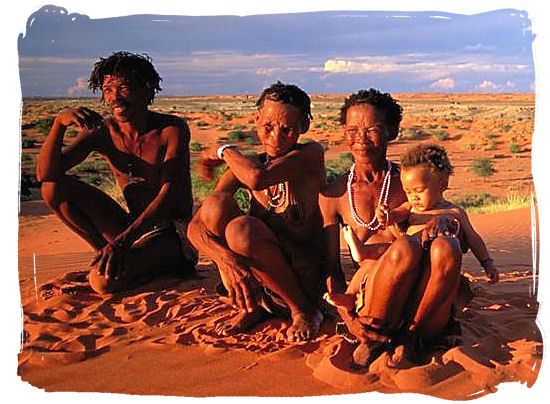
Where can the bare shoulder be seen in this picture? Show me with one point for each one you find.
(332, 195)
(170, 125)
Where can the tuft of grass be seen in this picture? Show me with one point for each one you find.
(91, 166)
(251, 140)
(487, 203)
(236, 135)
(440, 134)
(505, 128)
(491, 135)
(305, 140)
(514, 148)
(202, 124)
(195, 146)
(483, 167)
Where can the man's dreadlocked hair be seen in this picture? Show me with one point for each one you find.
(135, 67)
(287, 94)
(432, 155)
(382, 101)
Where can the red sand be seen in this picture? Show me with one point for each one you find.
(160, 339)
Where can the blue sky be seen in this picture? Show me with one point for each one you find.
(337, 51)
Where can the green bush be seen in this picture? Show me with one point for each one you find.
(202, 124)
(196, 146)
(505, 128)
(483, 167)
(235, 135)
(491, 135)
(251, 140)
(27, 143)
(514, 148)
(440, 134)
(474, 200)
(305, 140)
(43, 126)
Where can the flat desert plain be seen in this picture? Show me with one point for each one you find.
(160, 339)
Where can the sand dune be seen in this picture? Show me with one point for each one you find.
(161, 339)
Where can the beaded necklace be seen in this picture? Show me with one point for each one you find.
(278, 197)
(382, 199)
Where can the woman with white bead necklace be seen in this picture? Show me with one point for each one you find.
(388, 282)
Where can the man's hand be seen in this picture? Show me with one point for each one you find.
(83, 117)
(110, 261)
(207, 164)
(242, 287)
(490, 270)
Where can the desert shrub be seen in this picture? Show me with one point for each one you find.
(474, 200)
(43, 126)
(440, 134)
(196, 146)
(26, 157)
(514, 148)
(347, 156)
(251, 140)
(27, 143)
(483, 167)
(492, 145)
(305, 140)
(235, 135)
(433, 125)
(505, 128)
(238, 126)
(470, 146)
(410, 134)
(223, 126)
(337, 167)
(202, 124)
(491, 135)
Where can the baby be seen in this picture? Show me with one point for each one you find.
(425, 171)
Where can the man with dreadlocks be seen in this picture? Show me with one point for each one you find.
(268, 260)
(148, 153)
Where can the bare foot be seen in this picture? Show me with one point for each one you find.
(242, 321)
(304, 327)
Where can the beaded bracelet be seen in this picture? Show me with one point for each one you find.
(220, 150)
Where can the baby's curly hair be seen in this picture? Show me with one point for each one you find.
(393, 112)
(135, 67)
(287, 94)
(432, 155)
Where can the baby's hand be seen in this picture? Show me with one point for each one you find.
(491, 271)
(382, 214)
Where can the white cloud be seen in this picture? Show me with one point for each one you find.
(533, 87)
(81, 85)
(489, 85)
(446, 83)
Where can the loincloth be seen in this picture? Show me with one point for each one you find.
(177, 227)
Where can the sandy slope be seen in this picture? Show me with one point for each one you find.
(160, 339)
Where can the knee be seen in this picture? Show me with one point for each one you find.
(405, 253)
(217, 210)
(51, 192)
(243, 233)
(100, 284)
(445, 255)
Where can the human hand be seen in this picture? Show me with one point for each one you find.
(207, 164)
(243, 289)
(382, 214)
(110, 261)
(348, 234)
(490, 270)
(82, 117)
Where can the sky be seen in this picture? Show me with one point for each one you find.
(327, 51)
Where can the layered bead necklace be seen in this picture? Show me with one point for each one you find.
(382, 199)
(277, 198)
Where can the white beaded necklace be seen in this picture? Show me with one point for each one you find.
(382, 199)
